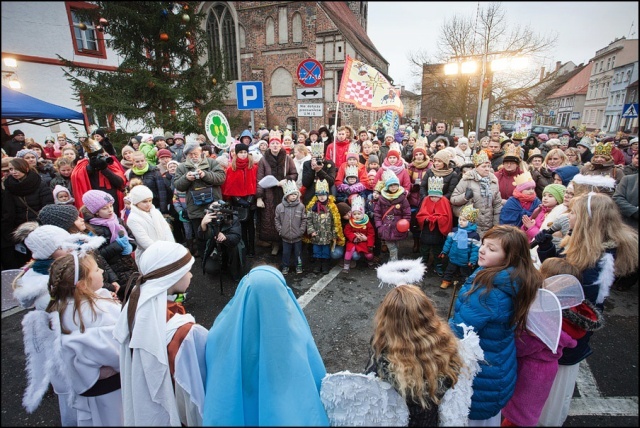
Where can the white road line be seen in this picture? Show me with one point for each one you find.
(12, 311)
(587, 384)
(318, 286)
(606, 406)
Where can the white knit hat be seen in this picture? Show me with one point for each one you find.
(45, 240)
(140, 193)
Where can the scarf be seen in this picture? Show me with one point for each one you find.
(359, 224)
(461, 238)
(525, 200)
(485, 187)
(29, 184)
(320, 207)
(397, 169)
(552, 168)
(126, 164)
(138, 171)
(391, 196)
(242, 163)
(442, 172)
(112, 223)
(42, 266)
(541, 210)
(436, 212)
(421, 165)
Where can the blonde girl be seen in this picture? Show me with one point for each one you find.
(495, 301)
(415, 351)
(63, 167)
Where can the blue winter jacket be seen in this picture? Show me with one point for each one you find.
(512, 211)
(463, 256)
(490, 315)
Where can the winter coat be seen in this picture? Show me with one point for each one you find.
(450, 183)
(12, 147)
(512, 211)
(291, 220)
(464, 156)
(47, 172)
(626, 198)
(537, 369)
(489, 208)
(150, 152)
(143, 230)
(154, 181)
(490, 313)
(350, 234)
(344, 191)
(362, 174)
(273, 196)
(323, 224)
(27, 196)
(543, 177)
(177, 152)
(462, 256)
(497, 159)
(386, 222)
(62, 181)
(417, 177)
(309, 177)
(608, 169)
(340, 148)
(214, 176)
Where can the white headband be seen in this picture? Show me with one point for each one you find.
(589, 203)
(76, 269)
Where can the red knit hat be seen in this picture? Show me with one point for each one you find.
(163, 153)
(393, 153)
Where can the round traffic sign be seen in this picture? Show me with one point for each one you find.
(310, 72)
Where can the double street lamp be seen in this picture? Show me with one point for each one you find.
(471, 66)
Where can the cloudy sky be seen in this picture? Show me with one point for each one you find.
(397, 28)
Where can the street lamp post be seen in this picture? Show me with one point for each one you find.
(480, 95)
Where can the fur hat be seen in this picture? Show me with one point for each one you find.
(45, 240)
(240, 147)
(178, 135)
(555, 190)
(58, 189)
(63, 216)
(163, 153)
(140, 193)
(95, 200)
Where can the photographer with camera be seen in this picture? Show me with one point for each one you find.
(316, 169)
(98, 171)
(221, 230)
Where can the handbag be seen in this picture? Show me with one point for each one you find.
(202, 196)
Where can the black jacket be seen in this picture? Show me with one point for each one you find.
(309, 176)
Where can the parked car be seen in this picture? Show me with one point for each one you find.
(545, 129)
(506, 126)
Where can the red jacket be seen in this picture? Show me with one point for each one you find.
(241, 182)
(340, 148)
(350, 233)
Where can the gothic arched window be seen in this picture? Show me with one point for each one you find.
(221, 42)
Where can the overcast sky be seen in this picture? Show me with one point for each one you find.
(397, 28)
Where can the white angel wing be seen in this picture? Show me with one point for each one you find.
(454, 406)
(545, 318)
(353, 399)
(268, 181)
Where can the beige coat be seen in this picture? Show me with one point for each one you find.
(489, 208)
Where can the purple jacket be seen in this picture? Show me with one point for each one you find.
(537, 368)
(387, 226)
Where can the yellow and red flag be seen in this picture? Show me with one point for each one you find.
(366, 88)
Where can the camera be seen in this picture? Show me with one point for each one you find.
(319, 161)
(222, 211)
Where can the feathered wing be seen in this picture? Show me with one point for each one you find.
(454, 407)
(353, 399)
(43, 348)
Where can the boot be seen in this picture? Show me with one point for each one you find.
(317, 268)
(384, 248)
(345, 267)
(193, 248)
(326, 266)
(445, 284)
(439, 270)
(416, 245)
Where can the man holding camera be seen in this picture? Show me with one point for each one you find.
(316, 168)
(221, 229)
(98, 171)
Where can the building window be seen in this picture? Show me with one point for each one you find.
(293, 122)
(281, 83)
(243, 37)
(221, 42)
(87, 42)
(296, 28)
(270, 32)
(283, 30)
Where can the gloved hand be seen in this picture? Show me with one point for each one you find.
(127, 248)
(471, 266)
(441, 255)
(243, 203)
(543, 239)
(260, 203)
(183, 216)
(468, 194)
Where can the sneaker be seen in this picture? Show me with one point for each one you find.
(438, 269)
(326, 266)
(285, 270)
(298, 269)
(345, 271)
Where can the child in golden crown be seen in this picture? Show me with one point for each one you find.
(392, 206)
(360, 235)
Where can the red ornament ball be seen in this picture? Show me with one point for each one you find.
(402, 225)
(164, 37)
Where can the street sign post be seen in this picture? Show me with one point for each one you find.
(630, 111)
(250, 96)
(310, 110)
(310, 73)
(310, 93)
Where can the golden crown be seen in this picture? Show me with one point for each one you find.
(519, 135)
(322, 187)
(512, 150)
(317, 149)
(535, 152)
(582, 128)
(470, 213)
(287, 134)
(480, 158)
(496, 127)
(603, 149)
(274, 134)
(522, 178)
(357, 204)
(351, 171)
(379, 186)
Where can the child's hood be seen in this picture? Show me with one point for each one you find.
(471, 227)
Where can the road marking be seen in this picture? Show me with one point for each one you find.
(318, 286)
(12, 311)
(587, 384)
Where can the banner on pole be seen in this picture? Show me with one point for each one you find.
(366, 88)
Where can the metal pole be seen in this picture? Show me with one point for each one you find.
(479, 113)
(335, 132)
(253, 125)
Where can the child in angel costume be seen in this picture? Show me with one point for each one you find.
(161, 347)
(419, 373)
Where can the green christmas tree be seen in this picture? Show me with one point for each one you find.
(164, 78)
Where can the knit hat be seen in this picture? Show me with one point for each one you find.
(312, 132)
(139, 194)
(95, 200)
(372, 173)
(172, 162)
(168, 136)
(164, 153)
(444, 156)
(566, 173)
(178, 135)
(22, 153)
(543, 137)
(241, 147)
(189, 147)
(17, 132)
(393, 153)
(45, 240)
(555, 190)
(352, 155)
(59, 188)
(99, 132)
(374, 158)
(127, 148)
(463, 140)
(343, 208)
(388, 134)
(63, 216)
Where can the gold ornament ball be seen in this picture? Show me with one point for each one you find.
(214, 81)
(82, 26)
(186, 18)
(187, 33)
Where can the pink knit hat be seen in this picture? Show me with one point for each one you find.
(94, 200)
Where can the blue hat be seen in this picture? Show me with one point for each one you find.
(566, 173)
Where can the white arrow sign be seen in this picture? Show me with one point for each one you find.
(309, 93)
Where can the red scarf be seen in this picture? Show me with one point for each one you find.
(242, 163)
(436, 212)
(525, 200)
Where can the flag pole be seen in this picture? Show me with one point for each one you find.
(335, 132)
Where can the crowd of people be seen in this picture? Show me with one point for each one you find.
(95, 233)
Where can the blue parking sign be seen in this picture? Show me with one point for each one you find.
(250, 95)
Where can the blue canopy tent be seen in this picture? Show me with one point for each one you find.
(21, 108)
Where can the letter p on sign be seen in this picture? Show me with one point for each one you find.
(250, 95)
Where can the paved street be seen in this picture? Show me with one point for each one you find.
(340, 310)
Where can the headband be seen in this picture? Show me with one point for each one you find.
(589, 203)
(139, 279)
(76, 268)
